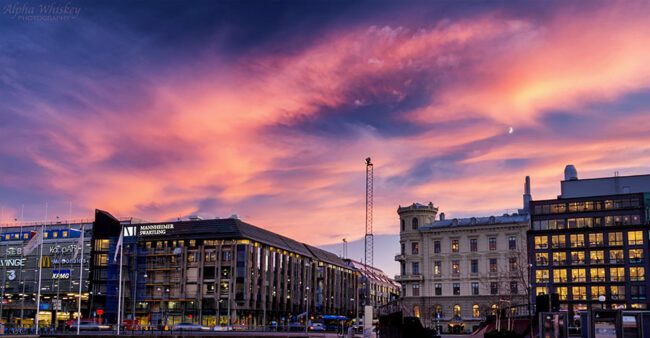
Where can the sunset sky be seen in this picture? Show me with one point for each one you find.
(267, 110)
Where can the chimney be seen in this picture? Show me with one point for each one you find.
(442, 216)
(527, 196)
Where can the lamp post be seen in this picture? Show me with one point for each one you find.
(602, 300)
(530, 296)
(307, 310)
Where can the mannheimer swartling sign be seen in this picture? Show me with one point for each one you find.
(144, 230)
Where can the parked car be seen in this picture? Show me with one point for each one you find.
(222, 328)
(86, 325)
(189, 327)
(317, 327)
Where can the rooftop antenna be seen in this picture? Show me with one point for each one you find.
(369, 239)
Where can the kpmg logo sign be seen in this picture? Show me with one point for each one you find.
(61, 274)
(148, 230)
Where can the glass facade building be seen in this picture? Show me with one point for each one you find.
(591, 251)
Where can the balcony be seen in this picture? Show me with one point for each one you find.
(400, 257)
(408, 278)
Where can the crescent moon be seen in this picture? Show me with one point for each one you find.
(511, 130)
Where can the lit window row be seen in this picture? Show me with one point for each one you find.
(616, 256)
(594, 240)
(559, 208)
(617, 274)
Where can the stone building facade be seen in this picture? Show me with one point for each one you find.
(454, 272)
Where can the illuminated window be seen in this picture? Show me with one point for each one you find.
(559, 276)
(101, 245)
(597, 274)
(577, 240)
(579, 292)
(617, 292)
(578, 275)
(46, 234)
(456, 310)
(615, 238)
(559, 258)
(540, 290)
(542, 276)
(577, 257)
(597, 257)
(617, 274)
(64, 234)
(437, 268)
(416, 311)
(455, 267)
(616, 257)
(494, 308)
(541, 242)
(636, 255)
(596, 239)
(101, 259)
(635, 238)
(637, 273)
(476, 313)
(541, 258)
(558, 241)
(562, 292)
(455, 247)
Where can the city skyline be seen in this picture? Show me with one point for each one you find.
(268, 110)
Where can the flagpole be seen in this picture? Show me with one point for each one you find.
(119, 293)
(40, 271)
(81, 274)
(22, 298)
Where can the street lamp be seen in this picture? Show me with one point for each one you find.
(602, 300)
(307, 310)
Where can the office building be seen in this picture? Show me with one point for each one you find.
(590, 244)
(60, 274)
(217, 271)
